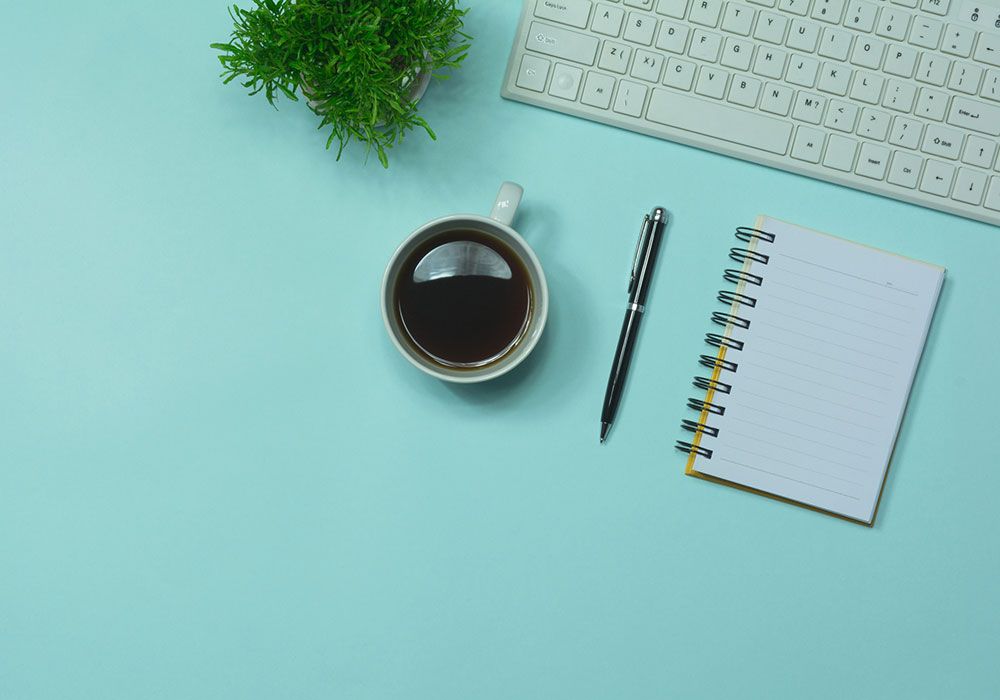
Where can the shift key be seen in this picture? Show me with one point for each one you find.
(562, 43)
(719, 122)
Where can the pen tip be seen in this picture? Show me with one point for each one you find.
(604, 431)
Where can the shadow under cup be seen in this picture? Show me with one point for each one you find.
(497, 243)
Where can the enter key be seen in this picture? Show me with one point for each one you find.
(977, 116)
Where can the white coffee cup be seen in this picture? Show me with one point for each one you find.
(498, 226)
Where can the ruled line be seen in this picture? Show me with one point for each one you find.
(801, 452)
(808, 396)
(771, 458)
(883, 285)
(782, 476)
(811, 381)
(800, 422)
(839, 301)
(820, 369)
(809, 410)
(824, 325)
(828, 313)
(813, 353)
(796, 435)
(840, 286)
(824, 341)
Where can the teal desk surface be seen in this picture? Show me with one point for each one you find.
(218, 479)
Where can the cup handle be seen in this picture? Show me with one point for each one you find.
(506, 205)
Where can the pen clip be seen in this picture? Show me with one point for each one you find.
(643, 231)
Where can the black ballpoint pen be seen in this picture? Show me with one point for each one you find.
(638, 288)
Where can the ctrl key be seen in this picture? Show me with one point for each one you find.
(533, 73)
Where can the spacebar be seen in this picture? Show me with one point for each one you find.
(719, 121)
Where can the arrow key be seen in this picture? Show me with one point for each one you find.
(937, 178)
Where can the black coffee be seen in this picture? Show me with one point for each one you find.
(464, 298)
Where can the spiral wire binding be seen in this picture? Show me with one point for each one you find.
(727, 320)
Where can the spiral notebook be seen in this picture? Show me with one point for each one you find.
(811, 368)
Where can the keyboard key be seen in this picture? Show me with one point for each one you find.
(965, 77)
(712, 82)
(679, 74)
(828, 11)
(770, 63)
(608, 20)
(935, 7)
(867, 87)
(835, 78)
(932, 104)
(647, 66)
(937, 178)
(802, 71)
(991, 86)
(873, 161)
(892, 23)
(905, 169)
(639, 28)
(705, 46)
(926, 33)
(796, 7)
(836, 44)
(566, 82)
(673, 37)
(899, 96)
(614, 57)
(736, 54)
(630, 98)
(975, 115)
(941, 141)
(906, 3)
(979, 151)
(771, 28)
(905, 132)
(706, 12)
(533, 73)
(842, 116)
(860, 15)
(764, 3)
(900, 61)
(562, 43)
(719, 121)
(840, 152)
(641, 4)
(738, 19)
(933, 69)
(777, 99)
(744, 91)
(958, 40)
(868, 53)
(993, 194)
(572, 12)
(803, 36)
(970, 185)
(988, 49)
(808, 107)
(672, 8)
(808, 144)
(597, 90)
(874, 124)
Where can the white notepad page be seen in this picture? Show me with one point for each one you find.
(825, 370)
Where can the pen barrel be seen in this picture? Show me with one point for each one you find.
(619, 370)
(647, 264)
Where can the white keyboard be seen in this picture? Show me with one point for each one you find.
(900, 98)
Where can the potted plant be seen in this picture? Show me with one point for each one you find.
(361, 64)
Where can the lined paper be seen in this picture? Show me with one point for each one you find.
(825, 371)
